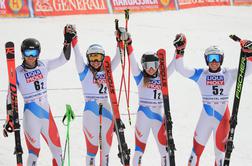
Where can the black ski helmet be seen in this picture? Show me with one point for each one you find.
(30, 43)
(214, 50)
(149, 57)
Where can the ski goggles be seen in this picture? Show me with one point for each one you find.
(152, 64)
(95, 57)
(213, 57)
(31, 53)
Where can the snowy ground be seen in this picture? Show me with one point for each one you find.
(150, 31)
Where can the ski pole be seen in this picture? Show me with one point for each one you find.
(128, 96)
(122, 63)
(69, 116)
(100, 131)
(126, 13)
(123, 82)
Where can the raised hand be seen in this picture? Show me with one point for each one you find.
(246, 46)
(180, 43)
(69, 34)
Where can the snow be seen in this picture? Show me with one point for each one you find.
(151, 30)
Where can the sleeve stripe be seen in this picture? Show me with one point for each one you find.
(138, 78)
(196, 75)
(83, 74)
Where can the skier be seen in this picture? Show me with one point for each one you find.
(32, 83)
(215, 84)
(95, 92)
(149, 114)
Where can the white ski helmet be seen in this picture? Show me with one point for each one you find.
(95, 49)
(214, 50)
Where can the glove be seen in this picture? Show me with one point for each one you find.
(180, 43)
(246, 46)
(69, 34)
(8, 127)
(122, 35)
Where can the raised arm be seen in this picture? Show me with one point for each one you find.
(136, 71)
(57, 62)
(79, 62)
(69, 35)
(120, 37)
(180, 44)
(123, 36)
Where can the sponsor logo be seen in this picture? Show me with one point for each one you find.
(165, 2)
(13, 91)
(110, 83)
(188, 2)
(43, 5)
(33, 76)
(66, 5)
(240, 78)
(154, 84)
(214, 80)
(100, 78)
(15, 5)
(134, 2)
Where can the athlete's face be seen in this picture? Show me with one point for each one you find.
(31, 61)
(214, 66)
(151, 71)
(96, 64)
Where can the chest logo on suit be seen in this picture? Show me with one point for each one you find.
(33, 76)
(215, 80)
(154, 84)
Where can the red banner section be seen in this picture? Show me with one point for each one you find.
(183, 4)
(14, 8)
(142, 5)
(242, 2)
(69, 7)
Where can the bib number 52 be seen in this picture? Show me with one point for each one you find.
(217, 90)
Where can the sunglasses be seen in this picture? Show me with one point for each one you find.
(148, 65)
(214, 57)
(31, 53)
(95, 57)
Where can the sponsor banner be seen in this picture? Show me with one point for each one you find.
(69, 7)
(14, 8)
(242, 2)
(183, 4)
(142, 5)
